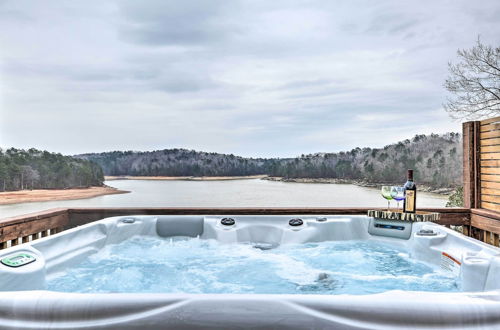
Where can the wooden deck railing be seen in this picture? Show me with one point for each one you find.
(485, 226)
(33, 226)
(489, 167)
(26, 228)
(481, 147)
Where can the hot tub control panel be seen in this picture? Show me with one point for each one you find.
(390, 228)
(18, 260)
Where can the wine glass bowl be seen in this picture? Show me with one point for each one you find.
(386, 193)
(398, 194)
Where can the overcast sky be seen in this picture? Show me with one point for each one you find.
(253, 78)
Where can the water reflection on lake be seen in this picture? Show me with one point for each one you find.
(236, 193)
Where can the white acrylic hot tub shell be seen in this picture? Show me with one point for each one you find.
(25, 304)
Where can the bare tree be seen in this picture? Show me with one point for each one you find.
(28, 176)
(475, 83)
(33, 176)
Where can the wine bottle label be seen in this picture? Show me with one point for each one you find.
(410, 201)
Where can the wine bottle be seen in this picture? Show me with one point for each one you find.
(410, 200)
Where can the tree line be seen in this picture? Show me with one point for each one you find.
(436, 160)
(35, 169)
(176, 162)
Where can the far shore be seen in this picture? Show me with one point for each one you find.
(361, 183)
(44, 195)
(186, 178)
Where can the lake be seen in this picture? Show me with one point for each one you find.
(230, 193)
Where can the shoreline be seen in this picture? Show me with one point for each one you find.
(184, 178)
(361, 183)
(422, 187)
(45, 195)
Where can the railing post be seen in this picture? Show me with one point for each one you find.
(471, 164)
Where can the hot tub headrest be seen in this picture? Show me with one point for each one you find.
(172, 225)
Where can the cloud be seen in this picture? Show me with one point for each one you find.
(256, 78)
(184, 82)
(167, 23)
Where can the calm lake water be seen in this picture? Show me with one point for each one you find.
(236, 193)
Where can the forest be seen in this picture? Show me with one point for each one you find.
(177, 162)
(35, 169)
(436, 160)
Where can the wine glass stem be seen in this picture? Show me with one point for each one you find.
(398, 205)
(388, 205)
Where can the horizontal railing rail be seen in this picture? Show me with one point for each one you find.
(26, 228)
(485, 226)
(79, 216)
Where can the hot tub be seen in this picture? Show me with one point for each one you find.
(296, 272)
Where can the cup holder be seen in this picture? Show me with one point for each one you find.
(427, 232)
(476, 260)
(128, 220)
(428, 236)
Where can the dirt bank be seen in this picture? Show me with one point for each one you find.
(43, 195)
(421, 187)
(187, 178)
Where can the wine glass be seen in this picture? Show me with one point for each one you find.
(398, 194)
(386, 193)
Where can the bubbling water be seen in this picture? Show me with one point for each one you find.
(192, 265)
